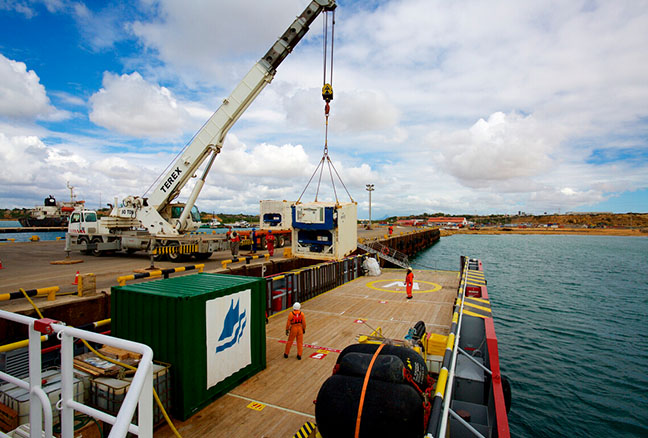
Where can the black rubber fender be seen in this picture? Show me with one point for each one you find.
(411, 359)
(508, 395)
(389, 409)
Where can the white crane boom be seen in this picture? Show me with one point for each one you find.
(209, 140)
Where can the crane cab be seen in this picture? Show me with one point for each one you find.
(173, 212)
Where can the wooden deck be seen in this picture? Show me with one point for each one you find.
(286, 389)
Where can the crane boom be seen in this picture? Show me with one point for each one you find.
(209, 139)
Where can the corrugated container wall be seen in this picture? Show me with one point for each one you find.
(209, 327)
(324, 230)
(275, 215)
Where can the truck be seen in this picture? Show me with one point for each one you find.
(155, 223)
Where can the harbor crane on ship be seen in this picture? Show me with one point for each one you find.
(155, 223)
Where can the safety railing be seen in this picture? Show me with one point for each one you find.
(384, 251)
(139, 396)
(158, 273)
(283, 290)
(443, 394)
(247, 259)
(441, 411)
(50, 292)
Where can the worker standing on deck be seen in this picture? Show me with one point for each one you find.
(254, 244)
(295, 328)
(409, 283)
(270, 239)
(391, 230)
(235, 241)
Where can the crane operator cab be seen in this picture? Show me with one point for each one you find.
(193, 220)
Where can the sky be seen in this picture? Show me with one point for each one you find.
(460, 107)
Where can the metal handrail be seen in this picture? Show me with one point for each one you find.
(451, 375)
(140, 394)
(390, 254)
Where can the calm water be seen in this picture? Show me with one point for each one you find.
(571, 316)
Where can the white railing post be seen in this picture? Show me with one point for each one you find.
(35, 379)
(140, 391)
(67, 384)
(145, 407)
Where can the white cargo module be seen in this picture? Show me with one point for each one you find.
(275, 215)
(324, 230)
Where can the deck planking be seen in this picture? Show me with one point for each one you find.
(288, 387)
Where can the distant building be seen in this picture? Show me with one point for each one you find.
(410, 222)
(447, 222)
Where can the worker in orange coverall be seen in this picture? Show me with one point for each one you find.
(295, 328)
(391, 230)
(270, 240)
(409, 282)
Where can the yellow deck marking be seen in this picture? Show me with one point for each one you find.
(476, 284)
(468, 312)
(256, 406)
(468, 303)
(271, 405)
(435, 287)
(305, 430)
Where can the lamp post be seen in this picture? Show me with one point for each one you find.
(370, 188)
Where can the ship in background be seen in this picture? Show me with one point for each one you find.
(52, 213)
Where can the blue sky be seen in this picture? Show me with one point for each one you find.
(455, 107)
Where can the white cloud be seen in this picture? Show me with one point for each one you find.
(130, 105)
(202, 40)
(504, 147)
(22, 96)
(18, 6)
(453, 106)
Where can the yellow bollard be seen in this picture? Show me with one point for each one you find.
(34, 238)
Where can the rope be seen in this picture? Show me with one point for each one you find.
(364, 390)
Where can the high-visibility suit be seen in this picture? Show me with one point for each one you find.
(409, 283)
(270, 239)
(295, 328)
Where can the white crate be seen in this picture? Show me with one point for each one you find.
(325, 230)
(18, 398)
(275, 215)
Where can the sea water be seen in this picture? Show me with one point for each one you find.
(571, 317)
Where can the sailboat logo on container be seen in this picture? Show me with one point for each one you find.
(233, 327)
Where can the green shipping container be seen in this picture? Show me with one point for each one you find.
(209, 327)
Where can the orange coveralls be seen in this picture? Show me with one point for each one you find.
(409, 282)
(296, 327)
(270, 239)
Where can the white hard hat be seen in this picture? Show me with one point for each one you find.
(296, 306)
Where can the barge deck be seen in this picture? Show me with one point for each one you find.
(278, 401)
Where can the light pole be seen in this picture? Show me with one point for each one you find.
(370, 188)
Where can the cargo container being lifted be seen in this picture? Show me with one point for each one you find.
(154, 223)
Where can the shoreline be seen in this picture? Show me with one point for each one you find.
(552, 231)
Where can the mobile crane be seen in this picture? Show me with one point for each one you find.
(154, 222)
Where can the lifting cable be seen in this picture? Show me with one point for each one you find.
(327, 95)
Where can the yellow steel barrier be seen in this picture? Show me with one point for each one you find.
(49, 291)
